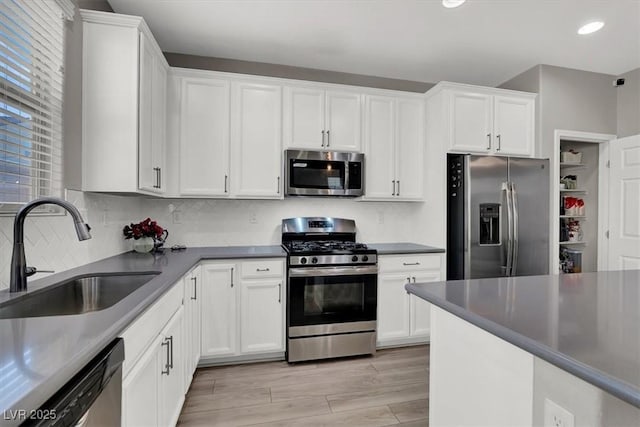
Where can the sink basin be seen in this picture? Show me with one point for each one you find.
(76, 296)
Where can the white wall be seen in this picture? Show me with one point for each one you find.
(51, 242)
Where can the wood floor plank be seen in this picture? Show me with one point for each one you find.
(411, 411)
(383, 395)
(387, 388)
(370, 417)
(257, 414)
(226, 399)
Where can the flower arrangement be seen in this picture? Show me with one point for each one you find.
(146, 228)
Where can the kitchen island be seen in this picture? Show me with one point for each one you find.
(534, 350)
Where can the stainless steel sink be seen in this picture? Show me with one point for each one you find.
(75, 296)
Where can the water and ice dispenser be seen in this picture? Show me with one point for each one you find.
(489, 224)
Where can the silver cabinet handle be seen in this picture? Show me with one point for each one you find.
(171, 345)
(278, 186)
(226, 178)
(232, 277)
(489, 141)
(262, 269)
(394, 187)
(195, 288)
(159, 177)
(280, 292)
(328, 138)
(411, 263)
(157, 184)
(398, 184)
(499, 142)
(322, 138)
(166, 365)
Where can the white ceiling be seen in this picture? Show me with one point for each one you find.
(482, 42)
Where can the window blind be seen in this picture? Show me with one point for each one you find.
(31, 96)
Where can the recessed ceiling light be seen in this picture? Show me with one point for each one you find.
(452, 3)
(591, 27)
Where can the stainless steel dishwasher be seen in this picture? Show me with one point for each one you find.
(93, 397)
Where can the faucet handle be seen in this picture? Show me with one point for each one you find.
(30, 271)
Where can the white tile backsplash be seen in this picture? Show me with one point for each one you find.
(51, 242)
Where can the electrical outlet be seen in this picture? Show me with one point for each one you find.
(253, 218)
(177, 216)
(556, 416)
(380, 217)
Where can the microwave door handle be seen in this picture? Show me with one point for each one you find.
(514, 208)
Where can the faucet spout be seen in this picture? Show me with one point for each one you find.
(19, 270)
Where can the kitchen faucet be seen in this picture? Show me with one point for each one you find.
(19, 269)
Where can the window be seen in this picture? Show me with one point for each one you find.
(31, 93)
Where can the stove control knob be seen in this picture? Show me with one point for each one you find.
(365, 258)
(303, 260)
(314, 260)
(354, 258)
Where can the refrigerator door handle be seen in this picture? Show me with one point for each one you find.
(514, 207)
(506, 195)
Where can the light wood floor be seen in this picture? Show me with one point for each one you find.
(389, 388)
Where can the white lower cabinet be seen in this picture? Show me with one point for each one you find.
(153, 384)
(404, 318)
(243, 309)
(192, 298)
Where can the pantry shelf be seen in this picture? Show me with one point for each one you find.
(572, 165)
(574, 216)
(573, 243)
(565, 190)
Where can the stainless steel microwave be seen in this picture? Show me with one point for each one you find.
(324, 173)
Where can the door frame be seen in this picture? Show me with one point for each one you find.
(603, 140)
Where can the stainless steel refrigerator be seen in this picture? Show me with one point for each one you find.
(498, 216)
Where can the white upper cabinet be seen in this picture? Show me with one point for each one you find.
(230, 137)
(483, 120)
(394, 148)
(513, 125)
(317, 119)
(123, 105)
(204, 137)
(256, 150)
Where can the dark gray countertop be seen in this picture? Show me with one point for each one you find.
(403, 248)
(587, 324)
(39, 354)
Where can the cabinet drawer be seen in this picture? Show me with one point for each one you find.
(148, 325)
(262, 268)
(409, 262)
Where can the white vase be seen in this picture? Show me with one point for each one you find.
(143, 244)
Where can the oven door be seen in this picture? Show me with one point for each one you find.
(326, 300)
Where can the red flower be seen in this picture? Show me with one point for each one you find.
(145, 228)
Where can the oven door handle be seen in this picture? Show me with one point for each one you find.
(333, 271)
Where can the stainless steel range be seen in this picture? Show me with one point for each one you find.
(331, 287)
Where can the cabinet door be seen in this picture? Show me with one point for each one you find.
(171, 379)
(410, 149)
(204, 137)
(379, 147)
(256, 140)
(470, 121)
(219, 309)
(140, 389)
(343, 121)
(158, 122)
(514, 125)
(262, 315)
(147, 176)
(304, 118)
(420, 319)
(393, 307)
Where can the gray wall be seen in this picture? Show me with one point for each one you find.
(290, 72)
(569, 99)
(629, 104)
